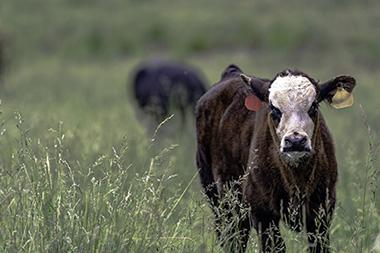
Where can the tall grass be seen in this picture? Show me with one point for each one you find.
(50, 203)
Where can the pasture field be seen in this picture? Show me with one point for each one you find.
(81, 170)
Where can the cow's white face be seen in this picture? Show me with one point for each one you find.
(292, 101)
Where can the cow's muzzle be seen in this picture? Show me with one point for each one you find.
(296, 142)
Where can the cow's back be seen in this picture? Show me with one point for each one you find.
(160, 85)
(224, 129)
(186, 85)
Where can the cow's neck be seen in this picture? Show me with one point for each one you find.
(299, 180)
(299, 177)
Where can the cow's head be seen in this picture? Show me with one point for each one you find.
(293, 99)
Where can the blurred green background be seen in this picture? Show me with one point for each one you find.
(70, 61)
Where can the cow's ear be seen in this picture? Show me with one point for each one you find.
(260, 93)
(338, 92)
(259, 86)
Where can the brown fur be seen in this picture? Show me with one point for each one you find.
(235, 143)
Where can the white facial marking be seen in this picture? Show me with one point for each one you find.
(293, 95)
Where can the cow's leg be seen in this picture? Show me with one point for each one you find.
(244, 229)
(182, 112)
(233, 238)
(232, 218)
(270, 236)
(318, 224)
(206, 176)
(318, 234)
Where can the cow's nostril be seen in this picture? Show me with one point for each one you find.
(303, 140)
(288, 142)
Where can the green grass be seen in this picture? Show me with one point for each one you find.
(80, 170)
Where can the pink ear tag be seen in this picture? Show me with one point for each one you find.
(252, 103)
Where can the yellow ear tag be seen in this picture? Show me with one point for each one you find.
(342, 99)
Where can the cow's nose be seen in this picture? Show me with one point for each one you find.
(296, 142)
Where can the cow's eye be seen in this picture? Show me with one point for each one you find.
(275, 112)
(313, 109)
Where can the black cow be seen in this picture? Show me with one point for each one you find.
(161, 85)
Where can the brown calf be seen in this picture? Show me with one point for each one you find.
(270, 136)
